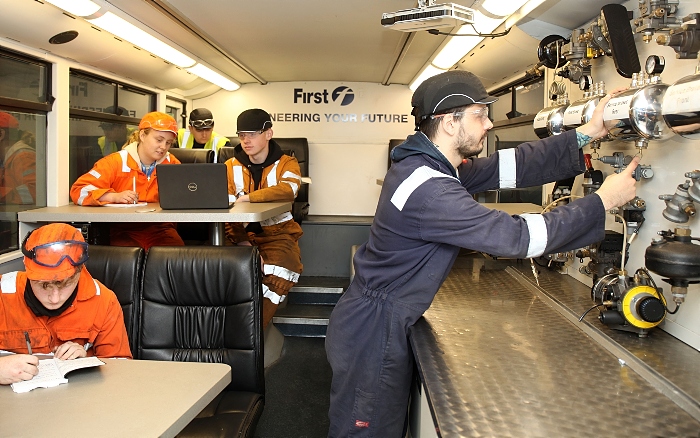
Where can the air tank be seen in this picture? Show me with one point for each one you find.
(550, 121)
(636, 113)
(681, 107)
(581, 111)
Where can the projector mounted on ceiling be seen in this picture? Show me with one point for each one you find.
(428, 16)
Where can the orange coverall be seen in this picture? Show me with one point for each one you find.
(115, 173)
(278, 242)
(95, 316)
(18, 177)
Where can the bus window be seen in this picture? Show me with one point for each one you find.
(104, 113)
(24, 92)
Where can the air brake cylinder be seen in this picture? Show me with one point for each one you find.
(629, 303)
(550, 121)
(681, 106)
(635, 115)
(674, 256)
(580, 112)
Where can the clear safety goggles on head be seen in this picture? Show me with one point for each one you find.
(52, 254)
(202, 124)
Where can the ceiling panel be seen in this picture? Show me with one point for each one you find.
(274, 40)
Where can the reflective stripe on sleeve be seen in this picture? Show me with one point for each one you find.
(95, 173)
(410, 184)
(125, 166)
(294, 186)
(279, 271)
(292, 175)
(8, 283)
(97, 287)
(24, 194)
(84, 192)
(272, 176)
(507, 176)
(272, 296)
(238, 179)
(538, 234)
(284, 217)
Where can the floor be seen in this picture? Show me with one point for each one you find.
(297, 392)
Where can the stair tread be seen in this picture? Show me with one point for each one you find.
(304, 311)
(324, 282)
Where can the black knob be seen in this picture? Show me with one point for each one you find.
(652, 309)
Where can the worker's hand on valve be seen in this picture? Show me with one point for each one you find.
(619, 188)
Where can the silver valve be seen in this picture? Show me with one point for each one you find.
(694, 190)
(679, 206)
(620, 161)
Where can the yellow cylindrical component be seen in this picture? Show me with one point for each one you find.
(633, 298)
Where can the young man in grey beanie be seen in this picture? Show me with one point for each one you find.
(426, 213)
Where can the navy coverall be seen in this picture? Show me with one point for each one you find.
(425, 214)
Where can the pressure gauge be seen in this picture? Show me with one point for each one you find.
(654, 65)
(585, 82)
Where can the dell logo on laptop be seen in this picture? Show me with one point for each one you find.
(192, 187)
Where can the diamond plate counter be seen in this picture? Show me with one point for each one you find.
(496, 360)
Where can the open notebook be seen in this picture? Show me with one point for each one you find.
(52, 372)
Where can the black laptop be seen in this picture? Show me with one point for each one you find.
(192, 185)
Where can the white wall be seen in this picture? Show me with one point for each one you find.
(348, 144)
(669, 159)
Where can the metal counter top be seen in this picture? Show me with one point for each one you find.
(497, 360)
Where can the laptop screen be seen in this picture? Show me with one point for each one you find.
(192, 185)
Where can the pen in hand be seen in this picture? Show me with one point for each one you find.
(29, 344)
(134, 181)
(87, 346)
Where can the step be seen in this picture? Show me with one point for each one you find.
(302, 320)
(324, 291)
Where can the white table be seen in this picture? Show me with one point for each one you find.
(123, 398)
(240, 212)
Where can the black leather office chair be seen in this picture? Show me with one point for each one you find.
(193, 155)
(120, 268)
(226, 152)
(297, 147)
(203, 304)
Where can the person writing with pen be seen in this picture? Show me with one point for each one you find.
(55, 306)
(129, 176)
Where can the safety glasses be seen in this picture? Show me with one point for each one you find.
(52, 254)
(243, 135)
(481, 113)
(202, 124)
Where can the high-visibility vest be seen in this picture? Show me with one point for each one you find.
(185, 139)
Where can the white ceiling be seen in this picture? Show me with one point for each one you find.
(265, 41)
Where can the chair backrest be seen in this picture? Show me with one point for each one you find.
(193, 155)
(203, 304)
(392, 144)
(226, 152)
(298, 147)
(120, 268)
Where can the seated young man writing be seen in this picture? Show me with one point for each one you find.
(55, 306)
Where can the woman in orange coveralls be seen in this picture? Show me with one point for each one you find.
(56, 306)
(112, 181)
